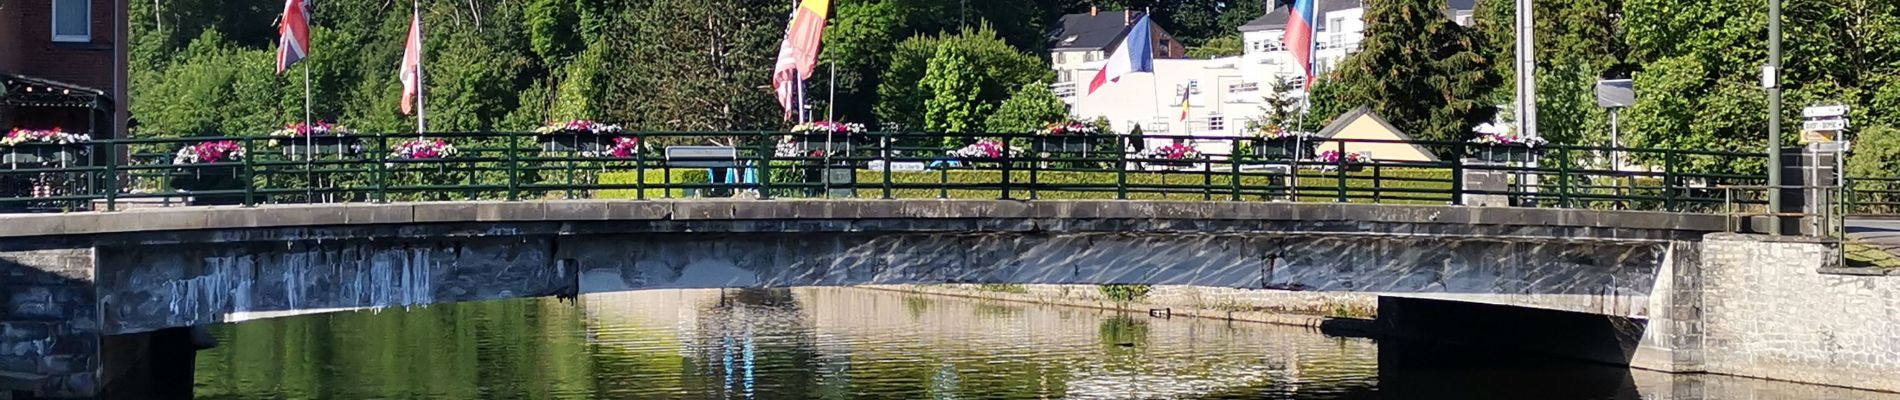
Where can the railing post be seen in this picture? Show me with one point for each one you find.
(766, 150)
(1233, 163)
(382, 168)
(514, 166)
(1669, 180)
(568, 160)
(884, 151)
(1007, 160)
(1035, 165)
(1563, 180)
(1378, 183)
(640, 167)
(1340, 164)
(250, 188)
(1121, 169)
(1458, 174)
(112, 176)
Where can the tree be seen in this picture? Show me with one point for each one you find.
(1279, 108)
(998, 69)
(551, 29)
(1030, 109)
(1420, 70)
(951, 86)
(1224, 46)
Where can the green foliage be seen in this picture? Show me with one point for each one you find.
(992, 67)
(951, 87)
(551, 29)
(1125, 293)
(1420, 70)
(1876, 153)
(1029, 110)
(1224, 46)
(1280, 109)
(1015, 288)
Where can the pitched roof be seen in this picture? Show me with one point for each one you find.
(1091, 32)
(1343, 120)
(1276, 18)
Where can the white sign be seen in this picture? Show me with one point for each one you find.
(1824, 111)
(1768, 77)
(900, 166)
(1825, 125)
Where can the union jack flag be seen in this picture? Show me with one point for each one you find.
(293, 42)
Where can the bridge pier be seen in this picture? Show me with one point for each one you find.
(50, 337)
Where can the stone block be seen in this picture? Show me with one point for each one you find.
(638, 210)
(444, 212)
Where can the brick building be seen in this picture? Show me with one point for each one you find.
(63, 65)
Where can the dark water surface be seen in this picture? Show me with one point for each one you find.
(837, 343)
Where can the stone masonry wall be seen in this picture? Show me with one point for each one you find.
(1237, 304)
(49, 321)
(1766, 312)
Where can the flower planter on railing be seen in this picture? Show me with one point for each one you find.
(1504, 147)
(1066, 144)
(1066, 137)
(344, 145)
(298, 139)
(1335, 160)
(1285, 148)
(577, 136)
(1502, 153)
(41, 153)
(574, 142)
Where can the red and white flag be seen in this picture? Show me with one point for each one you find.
(411, 73)
(799, 52)
(293, 35)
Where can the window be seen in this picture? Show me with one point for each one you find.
(72, 20)
(1216, 123)
(1336, 24)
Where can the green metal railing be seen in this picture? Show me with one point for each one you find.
(516, 166)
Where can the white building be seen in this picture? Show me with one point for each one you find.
(1222, 93)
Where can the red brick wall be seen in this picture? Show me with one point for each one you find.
(9, 36)
(27, 48)
(86, 64)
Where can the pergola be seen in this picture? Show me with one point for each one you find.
(21, 91)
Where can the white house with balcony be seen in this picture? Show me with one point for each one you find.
(1222, 94)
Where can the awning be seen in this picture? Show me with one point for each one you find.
(21, 91)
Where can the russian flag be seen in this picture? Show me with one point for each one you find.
(1299, 35)
(1136, 54)
(293, 41)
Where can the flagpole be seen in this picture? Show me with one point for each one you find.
(421, 87)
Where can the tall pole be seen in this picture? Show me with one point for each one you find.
(1526, 70)
(422, 87)
(831, 99)
(1770, 76)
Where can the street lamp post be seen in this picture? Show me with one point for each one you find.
(1770, 76)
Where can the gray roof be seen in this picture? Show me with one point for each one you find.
(1276, 19)
(1091, 32)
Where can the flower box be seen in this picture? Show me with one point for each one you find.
(345, 145)
(1285, 148)
(43, 153)
(1066, 144)
(1504, 153)
(574, 142)
(202, 179)
(819, 148)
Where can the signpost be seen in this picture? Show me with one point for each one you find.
(1821, 128)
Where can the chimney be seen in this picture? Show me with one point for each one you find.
(1128, 17)
(1093, 10)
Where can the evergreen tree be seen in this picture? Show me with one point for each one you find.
(1420, 70)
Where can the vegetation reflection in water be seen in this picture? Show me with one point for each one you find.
(834, 343)
(804, 343)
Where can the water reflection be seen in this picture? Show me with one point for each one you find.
(835, 343)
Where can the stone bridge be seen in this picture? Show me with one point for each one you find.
(86, 292)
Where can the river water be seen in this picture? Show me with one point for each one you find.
(836, 343)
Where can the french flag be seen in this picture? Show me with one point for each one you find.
(1299, 35)
(1136, 54)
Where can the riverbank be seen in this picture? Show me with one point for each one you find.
(1281, 307)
